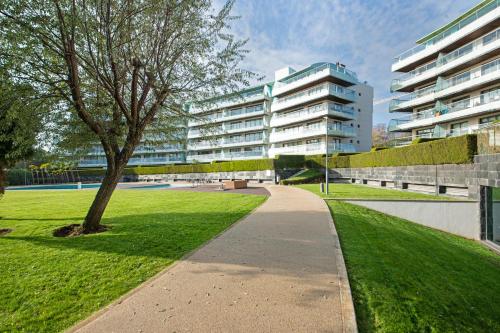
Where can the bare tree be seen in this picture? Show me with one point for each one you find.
(122, 67)
(380, 136)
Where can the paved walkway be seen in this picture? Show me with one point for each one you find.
(278, 270)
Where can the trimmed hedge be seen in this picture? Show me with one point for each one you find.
(456, 150)
(226, 166)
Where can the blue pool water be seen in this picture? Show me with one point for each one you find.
(86, 186)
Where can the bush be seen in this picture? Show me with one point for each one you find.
(289, 162)
(18, 177)
(309, 176)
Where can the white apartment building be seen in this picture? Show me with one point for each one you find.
(294, 115)
(323, 103)
(450, 81)
(232, 128)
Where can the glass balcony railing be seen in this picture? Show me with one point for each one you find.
(241, 154)
(348, 111)
(443, 109)
(333, 130)
(446, 59)
(332, 67)
(315, 148)
(449, 31)
(330, 88)
(242, 127)
(395, 103)
(243, 140)
(473, 74)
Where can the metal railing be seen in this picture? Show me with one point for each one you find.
(449, 31)
(314, 70)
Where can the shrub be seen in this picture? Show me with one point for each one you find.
(18, 177)
(378, 148)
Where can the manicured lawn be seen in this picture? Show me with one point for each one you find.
(408, 278)
(47, 283)
(352, 191)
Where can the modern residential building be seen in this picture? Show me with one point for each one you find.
(292, 115)
(231, 128)
(450, 81)
(323, 103)
(153, 151)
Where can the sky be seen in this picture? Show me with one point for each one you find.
(364, 35)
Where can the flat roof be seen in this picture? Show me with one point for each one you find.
(436, 32)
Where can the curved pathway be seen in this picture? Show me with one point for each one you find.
(280, 269)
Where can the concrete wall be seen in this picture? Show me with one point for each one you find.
(463, 179)
(456, 217)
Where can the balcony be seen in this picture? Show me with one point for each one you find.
(473, 106)
(312, 131)
(313, 149)
(243, 155)
(133, 161)
(236, 99)
(243, 142)
(204, 158)
(312, 75)
(203, 145)
(408, 101)
(320, 91)
(463, 82)
(244, 128)
(227, 115)
(472, 23)
(196, 133)
(339, 111)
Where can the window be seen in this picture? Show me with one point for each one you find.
(425, 133)
(253, 123)
(459, 128)
(488, 120)
(359, 126)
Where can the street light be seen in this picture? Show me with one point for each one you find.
(326, 156)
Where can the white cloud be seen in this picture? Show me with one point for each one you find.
(363, 34)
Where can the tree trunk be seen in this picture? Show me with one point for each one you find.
(2, 181)
(92, 221)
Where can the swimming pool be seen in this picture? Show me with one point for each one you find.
(128, 186)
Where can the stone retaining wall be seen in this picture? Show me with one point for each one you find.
(455, 179)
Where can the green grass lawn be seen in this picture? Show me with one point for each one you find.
(408, 278)
(352, 191)
(47, 283)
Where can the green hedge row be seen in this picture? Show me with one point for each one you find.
(227, 166)
(456, 150)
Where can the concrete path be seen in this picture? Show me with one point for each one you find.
(278, 270)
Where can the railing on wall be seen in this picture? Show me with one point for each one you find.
(488, 139)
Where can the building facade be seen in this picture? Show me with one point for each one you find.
(449, 84)
(322, 104)
(296, 114)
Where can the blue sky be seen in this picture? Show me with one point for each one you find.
(363, 34)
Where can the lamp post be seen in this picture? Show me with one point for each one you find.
(326, 156)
